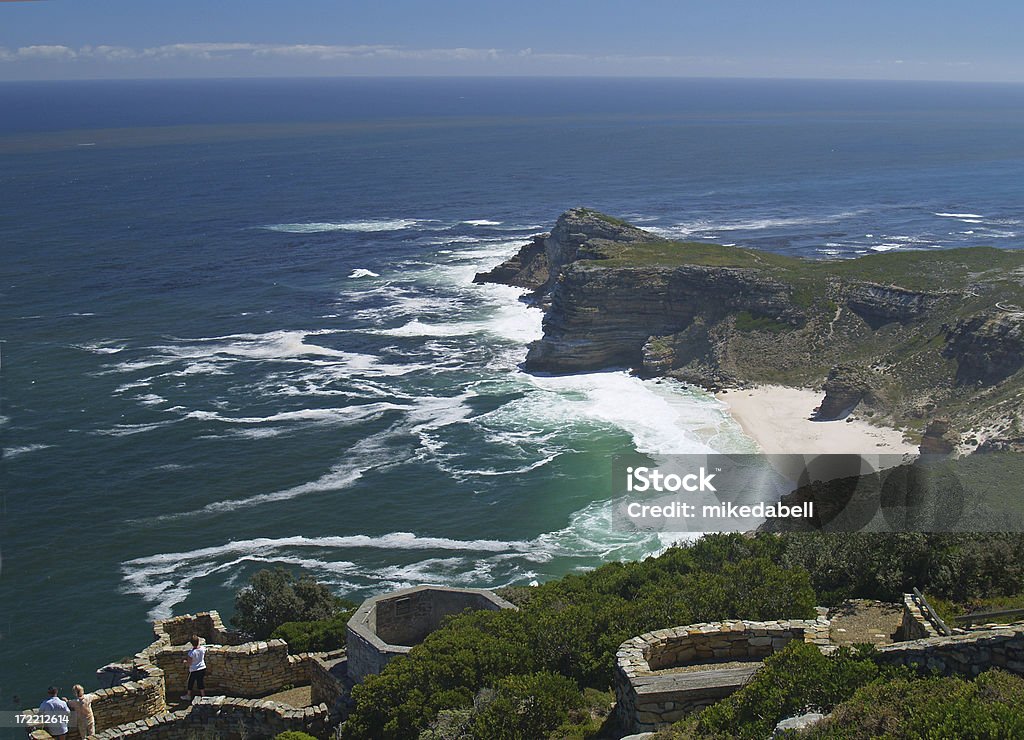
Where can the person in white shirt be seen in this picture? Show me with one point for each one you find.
(54, 708)
(195, 659)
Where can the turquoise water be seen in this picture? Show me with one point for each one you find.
(239, 327)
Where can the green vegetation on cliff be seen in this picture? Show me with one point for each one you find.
(573, 626)
(926, 270)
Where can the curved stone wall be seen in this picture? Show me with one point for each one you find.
(392, 624)
(649, 698)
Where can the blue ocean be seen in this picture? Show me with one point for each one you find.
(239, 327)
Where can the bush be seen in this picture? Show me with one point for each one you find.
(527, 707)
(294, 735)
(958, 567)
(274, 597)
(991, 706)
(316, 636)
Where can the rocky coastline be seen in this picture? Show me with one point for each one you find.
(929, 342)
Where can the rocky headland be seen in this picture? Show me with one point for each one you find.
(928, 341)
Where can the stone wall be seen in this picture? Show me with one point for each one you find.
(223, 718)
(129, 702)
(367, 653)
(407, 617)
(647, 699)
(328, 681)
(250, 670)
(917, 623)
(208, 625)
(966, 654)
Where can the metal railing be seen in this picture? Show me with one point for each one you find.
(985, 617)
(932, 615)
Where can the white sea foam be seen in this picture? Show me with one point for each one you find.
(368, 225)
(205, 352)
(125, 387)
(662, 417)
(345, 415)
(165, 579)
(126, 430)
(481, 222)
(10, 452)
(959, 215)
(363, 272)
(103, 347)
(704, 226)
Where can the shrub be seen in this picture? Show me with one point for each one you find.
(991, 706)
(957, 567)
(797, 679)
(321, 635)
(294, 735)
(274, 597)
(527, 707)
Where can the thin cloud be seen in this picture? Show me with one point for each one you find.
(214, 51)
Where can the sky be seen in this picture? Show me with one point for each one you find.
(859, 39)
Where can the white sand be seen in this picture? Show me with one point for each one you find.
(779, 420)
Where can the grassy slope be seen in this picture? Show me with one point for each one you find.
(933, 271)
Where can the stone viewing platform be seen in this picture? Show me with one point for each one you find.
(240, 673)
(247, 678)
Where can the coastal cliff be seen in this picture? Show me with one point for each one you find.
(902, 338)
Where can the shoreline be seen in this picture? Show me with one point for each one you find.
(778, 419)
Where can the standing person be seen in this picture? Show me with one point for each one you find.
(54, 708)
(81, 705)
(196, 662)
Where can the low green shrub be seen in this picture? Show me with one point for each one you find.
(990, 706)
(529, 706)
(320, 635)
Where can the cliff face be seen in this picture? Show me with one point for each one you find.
(904, 336)
(606, 317)
(988, 347)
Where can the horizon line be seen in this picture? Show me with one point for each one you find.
(211, 78)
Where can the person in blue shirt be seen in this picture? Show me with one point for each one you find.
(56, 709)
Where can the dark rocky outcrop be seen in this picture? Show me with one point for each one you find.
(939, 438)
(537, 265)
(845, 387)
(987, 347)
(528, 268)
(882, 304)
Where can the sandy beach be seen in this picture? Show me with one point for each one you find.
(779, 420)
